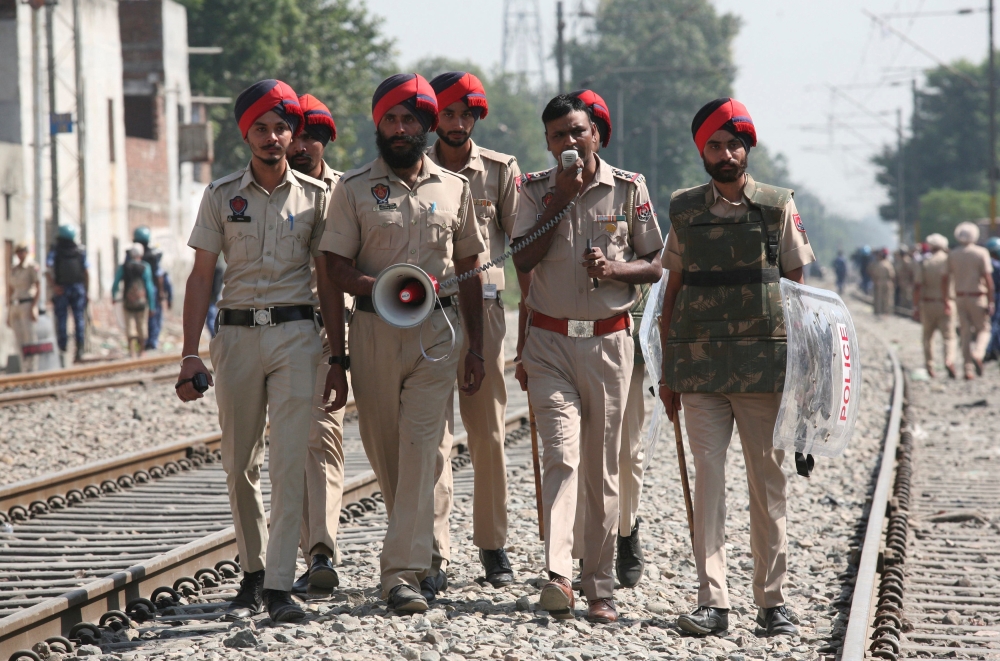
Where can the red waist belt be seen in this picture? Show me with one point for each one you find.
(970, 293)
(574, 328)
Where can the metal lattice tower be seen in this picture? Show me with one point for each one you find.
(523, 50)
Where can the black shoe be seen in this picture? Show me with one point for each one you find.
(249, 600)
(705, 620)
(499, 573)
(301, 584)
(322, 575)
(777, 621)
(281, 607)
(430, 586)
(630, 563)
(404, 599)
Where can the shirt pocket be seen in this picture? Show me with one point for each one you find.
(486, 215)
(242, 242)
(611, 236)
(294, 237)
(562, 242)
(384, 230)
(438, 227)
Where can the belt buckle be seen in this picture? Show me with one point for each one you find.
(576, 328)
(263, 317)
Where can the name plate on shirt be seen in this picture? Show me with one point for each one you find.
(385, 207)
(239, 219)
(489, 291)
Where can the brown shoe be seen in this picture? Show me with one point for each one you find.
(952, 374)
(557, 598)
(602, 611)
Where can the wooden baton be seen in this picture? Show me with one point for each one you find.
(685, 485)
(538, 472)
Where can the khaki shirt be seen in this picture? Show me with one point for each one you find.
(968, 264)
(930, 272)
(483, 171)
(378, 220)
(794, 251)
(267, 253)
(24, 280)
(881, 270)
(560, 286)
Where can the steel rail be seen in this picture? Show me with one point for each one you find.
(86, 371)
(859, 621)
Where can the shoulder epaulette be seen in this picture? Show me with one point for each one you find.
(306, 179)
(355, 172)
(633, 177)
(447, 172)
(232, 176)
(496, 156)
(529, 177)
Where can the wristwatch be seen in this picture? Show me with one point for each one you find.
(341, 360)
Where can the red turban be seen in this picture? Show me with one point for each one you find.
(410, 90)
(460, 86)
(265, 96)
(724, 113)
(317, 114)
(599, 109)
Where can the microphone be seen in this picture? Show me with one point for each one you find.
(412, 293)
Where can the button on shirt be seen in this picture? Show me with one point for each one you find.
(560, 286)
(483, 171)
(266, 239)
(794, 250)
(377, 220)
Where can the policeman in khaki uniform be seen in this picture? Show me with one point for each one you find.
(22, 302)
(578, 353)
(724, 348)
(325, 460)
(492, 176)
(403, 208)
(971, 272)
(883, 277)
(267, 219)
(929, 298)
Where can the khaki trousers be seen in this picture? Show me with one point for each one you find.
(483, 416)
(630, 459)
(402, 400)
(135, 327)
(933, 318)
(883, 297)
(974, 327)
(578, 388)
(266, 370)
(24, 331)
(709, 421)
(324, 472)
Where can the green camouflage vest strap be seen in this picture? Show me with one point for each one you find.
(637, 311)
(727, 332)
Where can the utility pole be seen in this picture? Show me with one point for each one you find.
(36, 72)
(560, 46)
(993, 130)
(913, 132)
(50, 49)
(81, 123)
(654, 158)
(900, 199)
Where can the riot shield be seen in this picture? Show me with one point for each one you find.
(819, 406)
(652, 352)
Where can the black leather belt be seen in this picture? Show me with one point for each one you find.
(365, 303)
(265, 316)
(25, 300)
(732, 278)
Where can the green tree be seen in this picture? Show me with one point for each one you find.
(332, 49)
(666, 59)
(941, 209)
(513, 125)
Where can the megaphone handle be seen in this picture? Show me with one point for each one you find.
(451, 328)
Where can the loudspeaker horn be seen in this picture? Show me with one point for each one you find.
(393, 295)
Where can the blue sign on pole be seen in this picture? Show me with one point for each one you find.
(60, 123)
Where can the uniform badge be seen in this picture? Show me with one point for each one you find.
(644, 211)
(238, 205)
(381, 194)
(547, 198)
(798, 223)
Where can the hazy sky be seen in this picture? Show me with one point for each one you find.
(789, 53)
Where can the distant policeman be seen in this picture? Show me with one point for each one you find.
(403, 208)
(724, 345)
(22, 303)
(883, 277)
(68, 275)
(934, 303)
(462, 102)
(325, 460)
(904, 266)
(267, 219)
(971, 271)
(629, 560)
(578, 353)
(154, 257)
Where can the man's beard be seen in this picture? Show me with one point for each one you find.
(453, 143)
(269, 158)
(302, 163)
(401, 160)
(721, 172)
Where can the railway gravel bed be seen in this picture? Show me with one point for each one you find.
(473, 620)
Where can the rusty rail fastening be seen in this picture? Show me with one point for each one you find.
(889, 624)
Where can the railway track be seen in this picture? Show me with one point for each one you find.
(105, 537)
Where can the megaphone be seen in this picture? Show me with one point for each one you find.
(404, 295)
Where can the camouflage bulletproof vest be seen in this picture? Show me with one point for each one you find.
(727, 332)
